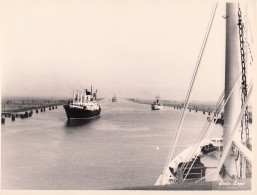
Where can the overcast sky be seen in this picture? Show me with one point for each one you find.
(139, 48)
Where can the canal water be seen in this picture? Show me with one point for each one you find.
(126, 146)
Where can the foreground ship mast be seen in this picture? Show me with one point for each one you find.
(234, 162)
(232, 112)
(232, 70)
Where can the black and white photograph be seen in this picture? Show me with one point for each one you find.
(127, 96)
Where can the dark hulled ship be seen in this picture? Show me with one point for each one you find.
(83, 106)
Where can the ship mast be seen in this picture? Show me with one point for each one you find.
(232, 71)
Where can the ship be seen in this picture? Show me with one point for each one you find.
(83, 106)
(157, 104)
(114, 99)
(228, 157)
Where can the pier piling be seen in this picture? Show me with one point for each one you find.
(3, 119)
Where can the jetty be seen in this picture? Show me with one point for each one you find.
(23, 107)
(204, 107)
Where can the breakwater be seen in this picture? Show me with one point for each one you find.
(24, 108)
(21, 105)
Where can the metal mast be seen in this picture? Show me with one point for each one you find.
(232, 71)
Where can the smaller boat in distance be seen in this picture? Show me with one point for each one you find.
(83, 106)
(114, 99)
(157, 104)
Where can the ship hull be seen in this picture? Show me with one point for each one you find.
(77, 113)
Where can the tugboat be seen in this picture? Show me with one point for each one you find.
(83, 106)
(157, 104)
(114, 99)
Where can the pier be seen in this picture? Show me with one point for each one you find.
(23, 108)
(197, 107)
(202, 107)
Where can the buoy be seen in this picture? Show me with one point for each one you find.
(13, 118)
(3, 119)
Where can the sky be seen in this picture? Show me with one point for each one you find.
(133, 49)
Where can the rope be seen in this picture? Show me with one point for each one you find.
(190, 88)
(215, 121)
(239, 117)
(205, 128)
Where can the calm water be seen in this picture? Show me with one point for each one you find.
(126, 147)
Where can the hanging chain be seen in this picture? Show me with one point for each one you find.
(245, 119)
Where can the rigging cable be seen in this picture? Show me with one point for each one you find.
(236, 126)
(241, 114)
(214, 122)
(191, 87)
(206, 126)
(204, 131)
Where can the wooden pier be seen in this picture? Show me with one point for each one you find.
(196, 107)
(23, 108)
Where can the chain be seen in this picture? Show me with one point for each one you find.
(245, 119)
